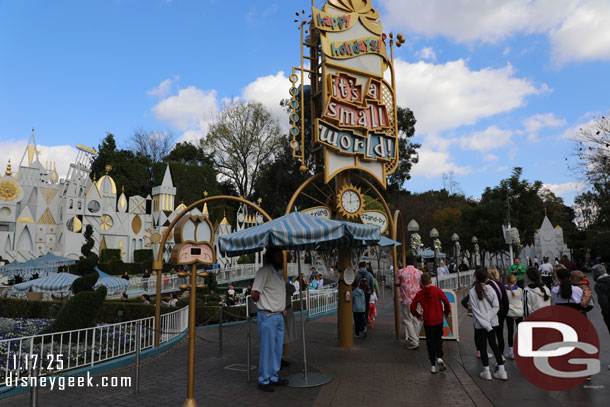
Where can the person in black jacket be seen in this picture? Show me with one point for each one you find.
(602, 289)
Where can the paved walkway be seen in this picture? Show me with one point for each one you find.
(378, 371)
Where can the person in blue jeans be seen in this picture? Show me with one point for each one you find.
(269, 293)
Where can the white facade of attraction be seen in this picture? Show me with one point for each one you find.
(548, 241)
(41, 213)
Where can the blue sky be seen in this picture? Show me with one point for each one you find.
(492, 84)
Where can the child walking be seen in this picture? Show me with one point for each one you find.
(515, 312)
(434, 304)
(359, 308)
(578, 279)
(485, 306)
(372, 309)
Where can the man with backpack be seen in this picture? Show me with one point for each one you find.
(364, 273)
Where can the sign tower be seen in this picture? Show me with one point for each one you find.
(353, 124)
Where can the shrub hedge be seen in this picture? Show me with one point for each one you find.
(79, 312)
(113, 312)
(110, 255)
(143, 256)
(117, 268)
(109, 313)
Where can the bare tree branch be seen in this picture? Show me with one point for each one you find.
(241, 138)
(155, 144)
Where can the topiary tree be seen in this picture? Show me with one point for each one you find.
(87, 262)
(85, 283)
(80, 311)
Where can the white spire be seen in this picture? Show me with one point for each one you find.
(167, 178)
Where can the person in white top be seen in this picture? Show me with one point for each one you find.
(546, 270)
(566, 293)
(485, 306)
(535, 294)
(296, 284)
(515, 312)
(269, 292)
(441, 269)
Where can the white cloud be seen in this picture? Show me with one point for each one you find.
(164, 88)
(426, 53)
(566, 187)
(537, 122)
(449, 95)
(13, 149)
(270, 90)
(513, 152)
(468, 21)
(584, 35)
(435, 163)
(577, 29)
(190, 111)
(573, 132)
(488, 139)
(491, 158)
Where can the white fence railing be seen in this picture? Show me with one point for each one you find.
(321, 301)
(454, 281)
(241, 272)
(55, 353)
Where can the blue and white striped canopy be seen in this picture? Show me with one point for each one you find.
(385, 241)
(298, 231)
(52, 282)
(112, 284)
(55, 260)
(41, 266)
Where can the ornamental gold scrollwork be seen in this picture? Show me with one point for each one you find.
(366, 13)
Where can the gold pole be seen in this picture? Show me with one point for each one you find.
(190, 381)
(395, 255)
(158, 264)
(344, 313)
(158, 267)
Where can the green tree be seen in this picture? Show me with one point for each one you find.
(440, 210)
(407, 150)
(128, 169)
(527, 200)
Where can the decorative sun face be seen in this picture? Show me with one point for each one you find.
(9, 190)
(350, 201)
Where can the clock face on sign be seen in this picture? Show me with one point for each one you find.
(350, 201)
(196, 253)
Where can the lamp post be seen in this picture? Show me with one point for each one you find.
(475, 244)
(455, 238)
(413, 228)
(436, 243)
